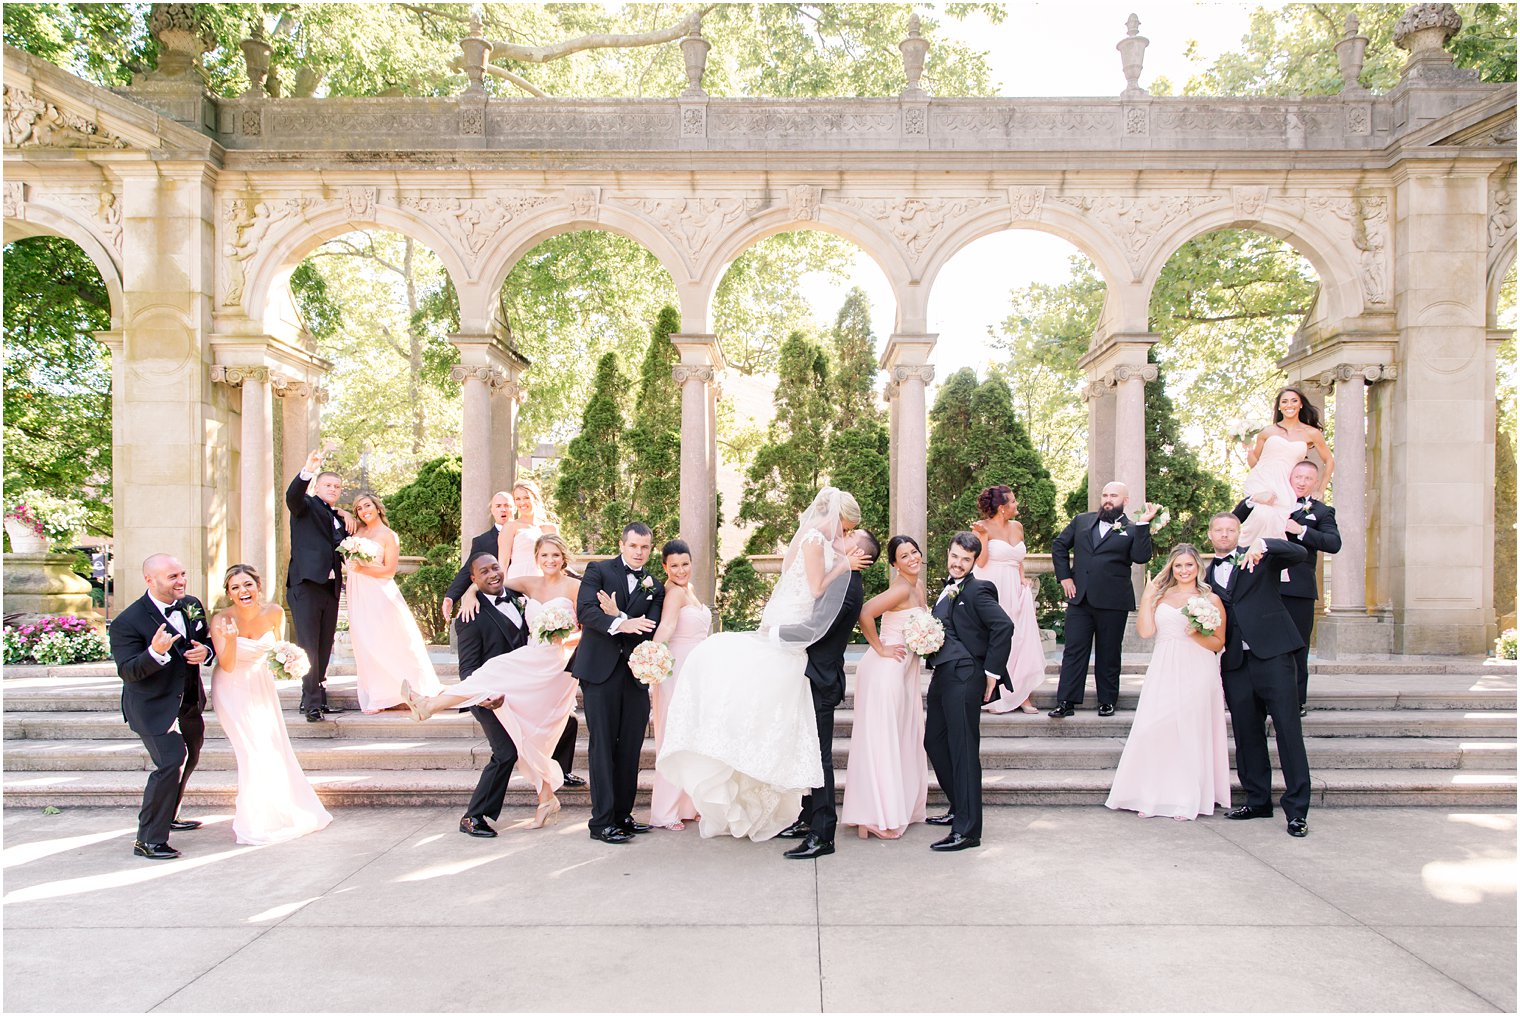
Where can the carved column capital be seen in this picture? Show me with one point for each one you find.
(684, 372)
(922, 372)
(321, 394)
(492, 377)
(510, 389)
(1094, 389)
(234, 376)
(1371, 373)
(1129, 372)
(284, 387)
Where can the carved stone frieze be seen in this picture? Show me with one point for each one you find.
(1249, 202)
(915, 120)
(800, 121)
(15, 196)
(804, 200)
(252, 123)
(693, 222)
(1025, 202)
(100, 209)
(915, 222)
(1501, 210)
(245, 224)
(32, 122)
(1137, 121)
(683, 373)
(234, 376)
(360, 202)
(1214, 118)
(1359, 118)
(693, 121)
(325, 118)
(584, 202)
(1136, 222)
(1363, 221)
(475, 222)
(1006, 122)
(577, 123)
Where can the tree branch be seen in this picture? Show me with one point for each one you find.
(544, 54)
(520, 82)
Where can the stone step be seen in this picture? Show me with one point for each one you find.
(1354, 692)
(1344, 787)
(997, 753)
(1389, 723)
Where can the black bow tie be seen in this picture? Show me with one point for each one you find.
(949, 581)
(503, 598)
(637, 573)
(174, 608)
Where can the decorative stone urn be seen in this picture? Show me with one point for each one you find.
(1424, 31)
(25, 539)
(43, 583)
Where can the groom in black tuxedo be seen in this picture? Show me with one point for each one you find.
(819, 817)
(1257, 667)
(616, 704)
(973, 659)
(158, 644)
(498, 628)
(315, 578)
(1100, 593)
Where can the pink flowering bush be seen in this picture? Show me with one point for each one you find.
(55, 641)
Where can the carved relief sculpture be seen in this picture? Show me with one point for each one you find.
(31, 122)
(915, 222)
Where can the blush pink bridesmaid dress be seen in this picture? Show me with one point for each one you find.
(1026, 660)
(668, 806)
(886, 782)
(388, 646)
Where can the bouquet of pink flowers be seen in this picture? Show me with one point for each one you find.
(288, 661)
(1202, 616)
(923, 634)
(651, 662)
(552, 623)
(357, 548)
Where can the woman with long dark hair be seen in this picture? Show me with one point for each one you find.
(1295, 430)
(1002, 563)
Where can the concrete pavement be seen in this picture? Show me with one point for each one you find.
(391, 909)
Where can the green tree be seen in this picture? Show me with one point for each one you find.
(57, 375)
(860, 448)
(790, 467)
(741, 595)
(426, 511)
(654, 440)
(590, 493)
(854, 348)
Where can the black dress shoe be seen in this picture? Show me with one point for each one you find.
(611, 834)
(473, 826)
(946, 819)
(154, 851)
(955, 841)
(184, 825)
(629, 826)
(1106, 709)
(572, 780)
(796, 831)
(1246, 811)
(810, 848)
(313, 716)
(1303, 711)
(1298, 827)
(333, 709)
(1062, 709)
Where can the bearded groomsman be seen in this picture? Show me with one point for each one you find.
(158, 644)
(1311, 526)
(1092, 557)
(315, 578)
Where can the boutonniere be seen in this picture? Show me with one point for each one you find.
(1118, 529)
(192, 612)
(648, 582)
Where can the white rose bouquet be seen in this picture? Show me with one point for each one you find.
(923, 634)
(1202, 616)
(1244, 428)
(357, 548)
(552, 623)
(651, 662)
(1161, 519)
(287, 661)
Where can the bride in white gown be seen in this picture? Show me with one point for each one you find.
(741, 738)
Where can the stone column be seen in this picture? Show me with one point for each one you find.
(906, 361)
(696, 374)
(255, 465)
(298, 436)
(506, 396)
(1100, 439)
(1117, 365)
(122, 580)
(1129, 427)
(476, 438)
(889, 394)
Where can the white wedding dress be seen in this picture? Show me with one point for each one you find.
(740, 736)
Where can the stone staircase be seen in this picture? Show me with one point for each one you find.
(1380, 732)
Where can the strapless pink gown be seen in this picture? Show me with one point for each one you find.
(538, 695)
(275, 801)
(387, 643)
(523, 562)
(667, 803)
(886, 782)
(1176, 761)
(1026, 658)
(1271, 476)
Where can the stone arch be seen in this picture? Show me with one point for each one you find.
(1340, 280)
(266, 292)
(1057, 221)
(34, 219)
(1498, 268)
(832, 219)
(522, 237)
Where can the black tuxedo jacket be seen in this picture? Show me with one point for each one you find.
(976, 628)
(154, 694)
(1254, 611)
(825, 657)
(315, 532)
(490, 634)
(485, 543)
(1320, 534)
(600, 652)
(1101, 568)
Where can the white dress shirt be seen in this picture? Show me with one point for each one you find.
(176, 621)
(633, 582)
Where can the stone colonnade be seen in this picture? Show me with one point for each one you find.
(196, 210)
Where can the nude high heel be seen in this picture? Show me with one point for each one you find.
(412, 701)
(546, 812)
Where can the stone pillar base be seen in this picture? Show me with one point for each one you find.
(1352, 634)
(46, 584)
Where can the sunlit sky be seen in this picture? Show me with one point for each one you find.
(972, 292)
